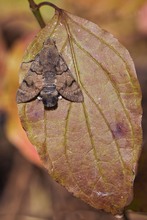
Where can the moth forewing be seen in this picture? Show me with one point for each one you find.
(29, 88)
(68, 87)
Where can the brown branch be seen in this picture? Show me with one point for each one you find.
(35, 9)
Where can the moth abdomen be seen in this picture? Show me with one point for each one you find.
(49, 96)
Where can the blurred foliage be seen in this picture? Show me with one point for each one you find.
(14, 7)
(125, 19)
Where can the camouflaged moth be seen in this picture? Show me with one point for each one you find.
(48, 78)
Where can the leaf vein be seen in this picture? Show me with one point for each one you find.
(97, 106)
(92, 143)
(45, 140)
(79, 81)
(107, 73)
(65, 145)
(104, 42)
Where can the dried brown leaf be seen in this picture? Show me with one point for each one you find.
(91, 148)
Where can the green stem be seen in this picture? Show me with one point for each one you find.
(35, 9)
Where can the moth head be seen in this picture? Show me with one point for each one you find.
(49, 41)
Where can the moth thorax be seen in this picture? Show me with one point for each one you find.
(49, 78)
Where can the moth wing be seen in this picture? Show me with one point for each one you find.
(67, 86)
(29, 88)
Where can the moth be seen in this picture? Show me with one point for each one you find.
(48, 78)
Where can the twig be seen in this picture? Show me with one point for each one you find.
(36, 12)
(35, 9)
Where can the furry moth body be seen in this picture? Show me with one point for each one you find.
(49, 77)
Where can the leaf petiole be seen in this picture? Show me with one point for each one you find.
(48, 4)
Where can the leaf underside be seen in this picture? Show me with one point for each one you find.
(91, 148)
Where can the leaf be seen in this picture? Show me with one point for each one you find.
(91, 148)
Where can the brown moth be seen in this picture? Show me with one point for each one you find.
(48, 78)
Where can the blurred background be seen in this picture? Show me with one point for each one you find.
(26, 190)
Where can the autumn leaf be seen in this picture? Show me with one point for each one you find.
(91, 148)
